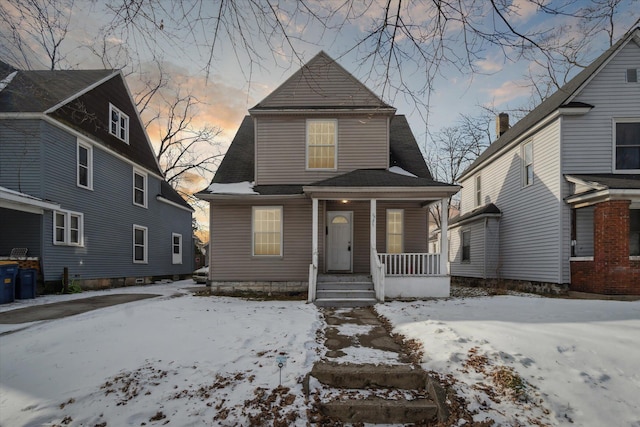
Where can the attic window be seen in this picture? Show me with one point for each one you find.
(118, 124)
(632, 75)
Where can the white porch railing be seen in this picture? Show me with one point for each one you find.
(377, 275)
(411, 264)
(313, 278)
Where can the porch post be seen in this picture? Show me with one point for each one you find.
(314, 232)
(444, 241)
(372, 232)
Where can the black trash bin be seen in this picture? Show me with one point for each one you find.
(8, 273)
(26, 283)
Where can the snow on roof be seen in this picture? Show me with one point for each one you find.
(400, 171)
(244, 187)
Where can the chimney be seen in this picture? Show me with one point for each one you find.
(502, 124)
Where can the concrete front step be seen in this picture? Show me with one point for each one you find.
(345, 302)
(345, 294)
(380, 411)
(344, 278)
(320, 286)
(370, 376)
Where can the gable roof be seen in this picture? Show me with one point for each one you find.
(169, 193)
(238, 164)
(54, 93)
(561, 98)
(38, 91)
(321, 83)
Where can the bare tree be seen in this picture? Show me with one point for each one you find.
(34, 29)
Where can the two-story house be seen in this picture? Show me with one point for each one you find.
(80, 187)
(555, 200)
(323, 177)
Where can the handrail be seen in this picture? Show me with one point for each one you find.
(411, 264)
(377, 275)
(313, 277)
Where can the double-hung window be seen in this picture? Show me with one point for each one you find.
(118, 124)
(140, 251)
(84, 154)
(322, 138)
(527, 164)
(478, 192)
(466, 246)
(267, 230)
(139, 188)
(176, 248)
(395, 228)
(627, 144)
(68, 228)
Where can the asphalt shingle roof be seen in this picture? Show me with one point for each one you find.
(548, 106)
(482, 210)
(239, 163)
(612, 181)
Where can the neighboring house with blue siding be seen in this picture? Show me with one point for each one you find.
(80, 186)
(555, 200)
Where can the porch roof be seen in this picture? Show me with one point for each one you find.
(595, 188)
(16, 200)
(489, 210)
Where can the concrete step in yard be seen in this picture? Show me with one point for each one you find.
(361, 391)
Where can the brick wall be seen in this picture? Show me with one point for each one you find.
(611, 271)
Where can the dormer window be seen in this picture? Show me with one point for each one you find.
(118, 124)
(322, 138)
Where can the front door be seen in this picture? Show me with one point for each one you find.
(339, 247)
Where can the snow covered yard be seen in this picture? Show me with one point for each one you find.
(181, 360)
(561, 362)
(184, 360)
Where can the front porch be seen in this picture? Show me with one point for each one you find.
(405, 269)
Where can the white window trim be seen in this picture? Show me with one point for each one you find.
(477, 194)
(146, 244)
(67, 228)
(146, 187)
(525, 164)
(112, 109)
(401, 232)
(253, 234)
(176, 258)
(89, 149)
(335, 145)
(615, 121)
(462, 233)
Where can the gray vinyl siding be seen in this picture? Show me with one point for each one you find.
(21, 156)
(588, 144)
(231, 240)
(584, 231)
(109, 215)
(281, 148)
(485, 249)
(531, 247)
(231, 252)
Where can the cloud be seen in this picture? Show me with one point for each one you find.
(507, 92)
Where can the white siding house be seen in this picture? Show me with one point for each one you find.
(565, 183)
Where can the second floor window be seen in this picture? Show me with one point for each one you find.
(322, 138)
(478, 191)
(139, 188)
(527, 164)
(627, 145)
(118, 124)
(85, 166)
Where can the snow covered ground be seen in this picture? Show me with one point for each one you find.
(185, 360)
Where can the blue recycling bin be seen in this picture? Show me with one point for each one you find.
(26, 283)
(8, 273)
